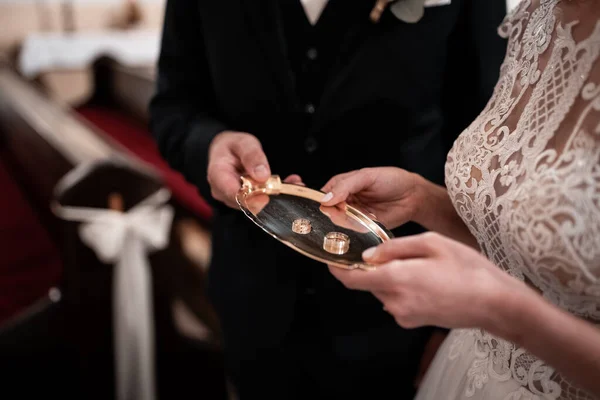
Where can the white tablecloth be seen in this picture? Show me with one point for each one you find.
(51, 51)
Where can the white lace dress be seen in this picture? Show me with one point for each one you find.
(525, 178)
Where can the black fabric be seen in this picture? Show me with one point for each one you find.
(392, 93)
(314, 52)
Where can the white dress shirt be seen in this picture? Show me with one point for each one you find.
(313, 9)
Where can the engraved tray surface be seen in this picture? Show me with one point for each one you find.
(275, 206)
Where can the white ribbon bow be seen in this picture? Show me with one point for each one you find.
(125, 239)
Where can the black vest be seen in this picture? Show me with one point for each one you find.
(316, 53)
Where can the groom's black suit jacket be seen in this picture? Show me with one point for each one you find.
(391, 93)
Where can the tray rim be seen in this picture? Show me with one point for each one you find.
(274, 186)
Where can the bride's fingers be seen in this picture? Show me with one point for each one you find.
(337, 179)
(357, 203)
(408, 247)
(381, 279)
(343, 188)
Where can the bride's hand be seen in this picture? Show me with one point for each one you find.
(430, 280)
(389, 193)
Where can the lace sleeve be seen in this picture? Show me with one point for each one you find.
(518, 13)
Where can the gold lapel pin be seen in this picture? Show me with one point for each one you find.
(380, 6)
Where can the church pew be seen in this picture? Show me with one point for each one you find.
(45, 140)
(38, 132)
(119, 107)
(134, 135)
(35, 356)
(130, 89)
(30, 261)
(177, 359)
(108, 116)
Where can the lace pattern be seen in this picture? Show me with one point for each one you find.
(525, 178)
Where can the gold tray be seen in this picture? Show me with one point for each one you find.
(294, 215)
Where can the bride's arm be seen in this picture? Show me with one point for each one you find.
(571, 345)
(435, 212)
(463, 289)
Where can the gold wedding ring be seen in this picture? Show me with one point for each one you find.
(336, 243)
(301, 226)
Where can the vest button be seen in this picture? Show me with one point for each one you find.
(311, 145)
(312, 54)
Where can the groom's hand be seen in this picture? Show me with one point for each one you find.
(231, 155)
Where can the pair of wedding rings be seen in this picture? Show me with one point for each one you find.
(333, 242)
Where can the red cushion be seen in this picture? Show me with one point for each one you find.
(30, 263)
(134, 136)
